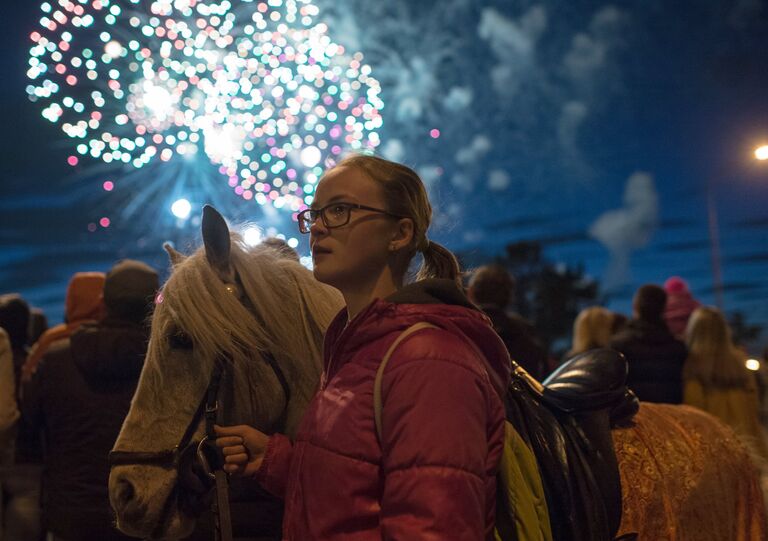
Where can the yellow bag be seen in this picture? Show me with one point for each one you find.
(520, 491)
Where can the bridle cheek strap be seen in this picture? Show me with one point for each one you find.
(220, 508)
(171, 459)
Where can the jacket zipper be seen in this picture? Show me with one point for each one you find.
(324, 380)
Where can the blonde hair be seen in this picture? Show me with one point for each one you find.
(712, 357)
(405, 195)
(592, 329)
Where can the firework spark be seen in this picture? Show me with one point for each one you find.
(259, 88)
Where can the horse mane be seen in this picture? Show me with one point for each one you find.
(290, 309)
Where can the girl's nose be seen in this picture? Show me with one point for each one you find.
(318, 227)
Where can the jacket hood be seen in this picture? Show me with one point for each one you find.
(436, 301)
(112, 351)
(85, 297)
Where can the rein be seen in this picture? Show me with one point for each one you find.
(172, 458)
(222, 519)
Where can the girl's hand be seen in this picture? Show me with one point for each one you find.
(243, 447)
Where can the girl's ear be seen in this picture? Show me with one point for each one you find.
(403, 235)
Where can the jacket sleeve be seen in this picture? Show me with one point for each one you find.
(9, 411)
(273, 472)
(435, 442)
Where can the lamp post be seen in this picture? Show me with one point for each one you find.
(714, 241)
(761, 154)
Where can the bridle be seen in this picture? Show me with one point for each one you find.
(204, 451)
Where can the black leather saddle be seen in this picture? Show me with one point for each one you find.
(566, 421)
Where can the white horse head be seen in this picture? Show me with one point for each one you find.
(231, 300)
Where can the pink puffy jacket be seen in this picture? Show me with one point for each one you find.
(434, 475)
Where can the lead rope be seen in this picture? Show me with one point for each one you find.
(220, 508)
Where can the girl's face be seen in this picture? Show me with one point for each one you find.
(353, 254)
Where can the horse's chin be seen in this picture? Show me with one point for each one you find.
(177, 526)
(138, 496)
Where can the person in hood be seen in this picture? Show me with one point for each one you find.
(654, 356)
(432, 475)
(80, 395)
(680, 305)
(84, 303)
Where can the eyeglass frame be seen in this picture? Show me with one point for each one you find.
(350, 207)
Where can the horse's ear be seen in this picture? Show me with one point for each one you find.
(216, 242)
(176, 257)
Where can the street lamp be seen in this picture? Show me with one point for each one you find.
(761, 154)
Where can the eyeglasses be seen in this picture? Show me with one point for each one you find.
(333, 215)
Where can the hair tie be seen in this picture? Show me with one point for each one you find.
(424, 245)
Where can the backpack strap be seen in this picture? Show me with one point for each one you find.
(377, 404)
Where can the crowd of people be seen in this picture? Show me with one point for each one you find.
(679, 352)
(64, 391)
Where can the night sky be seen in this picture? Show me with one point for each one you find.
(595, 128)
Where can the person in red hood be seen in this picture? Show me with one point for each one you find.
(84, 304)
(680, 305)
(433, 474)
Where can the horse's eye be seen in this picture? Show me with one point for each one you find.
(179, 340)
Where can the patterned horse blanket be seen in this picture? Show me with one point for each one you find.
(686, 477)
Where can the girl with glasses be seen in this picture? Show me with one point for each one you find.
(428, 470)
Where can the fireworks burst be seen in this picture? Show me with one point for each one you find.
(257, 87)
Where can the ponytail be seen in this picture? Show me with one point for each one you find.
(439, 262)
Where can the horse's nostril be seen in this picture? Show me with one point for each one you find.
(123, 497)
(129, 510)
(124, 493)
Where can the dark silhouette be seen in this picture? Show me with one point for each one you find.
(619, 323)
(655, 357)
(549, 294)
(38, 324)
(20, 478)
(492, 289)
